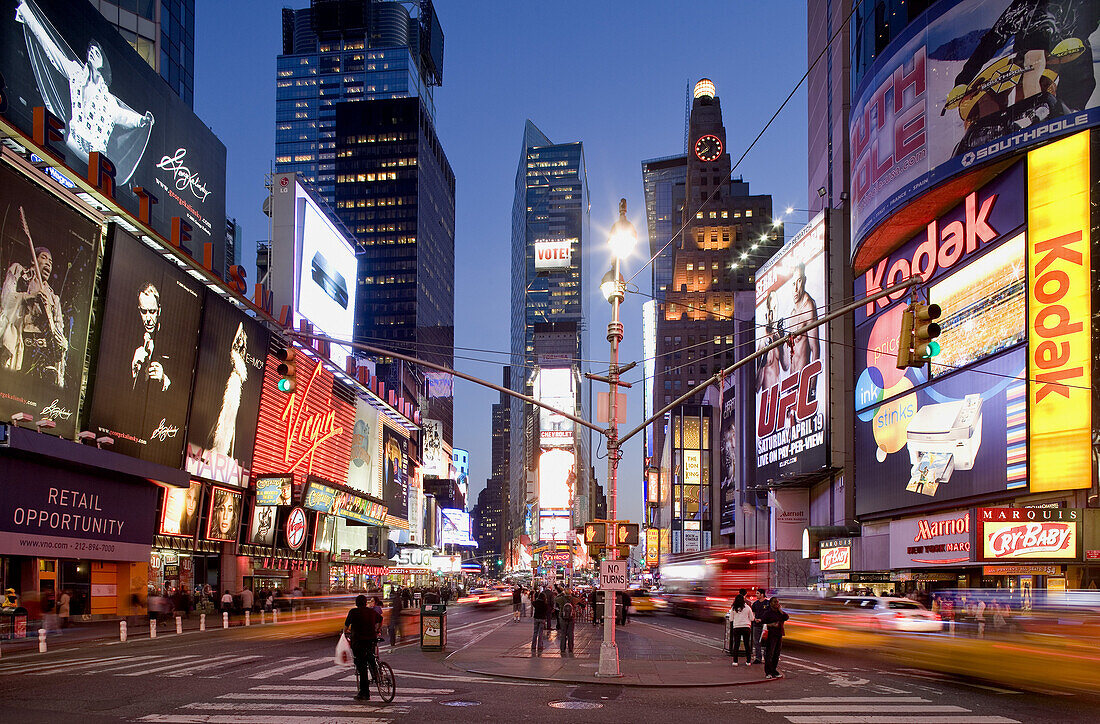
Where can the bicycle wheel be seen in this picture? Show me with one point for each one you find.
(385, 683)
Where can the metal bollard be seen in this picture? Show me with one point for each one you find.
(275, 616)
(41, 640)
(179, 625)
(293, 613)
(122, 631)
(202, 622)
(152, 628)
(263, 616)
(225, 619)
(247, 618)
(307, 613)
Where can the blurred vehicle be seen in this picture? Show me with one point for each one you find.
(892, 614)
(486, 596)
(641, 601)
(705, 584)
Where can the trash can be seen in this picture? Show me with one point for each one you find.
(13, 623)
(433, 627)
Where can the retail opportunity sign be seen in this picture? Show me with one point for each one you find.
(836, 555)
(1058, 309)
(930, 540)
(1012, 534)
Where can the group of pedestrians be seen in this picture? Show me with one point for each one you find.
(557, 607)
(760, 627)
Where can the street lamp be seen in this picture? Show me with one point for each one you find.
(622, 240)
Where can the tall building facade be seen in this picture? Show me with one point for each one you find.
(549, 231)
(727, 234)
(341, 50)
(163, 33)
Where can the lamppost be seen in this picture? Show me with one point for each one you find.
(622, 240)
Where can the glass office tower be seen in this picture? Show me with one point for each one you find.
(162, 32)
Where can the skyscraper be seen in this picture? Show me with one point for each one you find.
(161, 32)
(549, 229)
(339, 50)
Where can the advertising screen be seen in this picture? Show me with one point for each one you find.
(434, 465)
(727, 485)
(67, 58)
(792, 381)
(326, 272)
(224, 516)
(364, 471)
(261, 532)
(395, 483)
(456, 527)
(324, 533)
(553, 254)
(180, 515)
(274, 489)
(961, 436)
(968, 81)
(327, 499)
(836, 555)
(146, 355)
(554, 527)
(555, 388)
(1014, 534)
(941, 539)
(229, 378)
(557, 479)
(48, 256)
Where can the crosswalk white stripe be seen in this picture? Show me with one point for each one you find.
(238, 719)
(177, 664)
(150, 661)
(835, 699)
(20, 668)
(322, 673)
(345, 689)
(901, 719)
(265, 673)
(871, 708)
(305, 708)
(276, 699)
(232, 660)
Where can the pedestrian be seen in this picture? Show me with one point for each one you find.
(548, 597)
(979, 617)
(740, 623)
(397, 604)
(63, 607)
(758, 607)
(594, 603)
(247, 599)
(539, 616)
(566, 611)
(362, 626)
(773, 618)
(517, 604)
(227, 601)
(296, 599)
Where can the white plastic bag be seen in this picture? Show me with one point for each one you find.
(343, 655)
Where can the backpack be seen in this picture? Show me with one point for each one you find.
(567, 611)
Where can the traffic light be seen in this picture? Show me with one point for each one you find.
(917, 343)
(287, 371)
(626, 534)
(595, 534)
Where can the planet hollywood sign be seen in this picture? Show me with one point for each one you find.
(1029, 533)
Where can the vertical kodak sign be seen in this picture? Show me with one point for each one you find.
(1058, 314)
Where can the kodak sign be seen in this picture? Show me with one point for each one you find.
(1059, 310)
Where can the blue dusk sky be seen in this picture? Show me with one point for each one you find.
(612, 74)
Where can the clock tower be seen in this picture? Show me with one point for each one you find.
(708, 162)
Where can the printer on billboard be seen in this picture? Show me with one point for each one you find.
(942, 438)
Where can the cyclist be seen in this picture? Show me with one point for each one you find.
(362, 627)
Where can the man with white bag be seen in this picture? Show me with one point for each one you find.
(362, 627)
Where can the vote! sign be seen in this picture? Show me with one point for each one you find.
(553, 254)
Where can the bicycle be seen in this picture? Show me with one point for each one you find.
(384, 681)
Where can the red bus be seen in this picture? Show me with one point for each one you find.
(704, 584)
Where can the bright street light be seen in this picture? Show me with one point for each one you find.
(623, 235)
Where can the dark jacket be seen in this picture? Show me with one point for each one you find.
(539, 608)
(774, 621)
(364, 624)
(759, 606)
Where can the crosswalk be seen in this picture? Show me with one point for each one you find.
(899, 709)
(297, 704)
(243, 666)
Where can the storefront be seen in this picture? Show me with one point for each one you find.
(1029, 549)
(349, 577)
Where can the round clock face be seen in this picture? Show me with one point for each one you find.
(708, 147)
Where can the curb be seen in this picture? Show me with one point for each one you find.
(605, 682)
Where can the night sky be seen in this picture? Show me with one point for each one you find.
(614, 75)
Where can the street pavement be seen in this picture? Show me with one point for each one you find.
(285, 675)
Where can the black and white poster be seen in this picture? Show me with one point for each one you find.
(66, 57)
(229, 377)
(262, 530)
(146, 358)
(48, 256)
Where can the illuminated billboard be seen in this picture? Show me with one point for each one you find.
(727, 448)
(554, 387)
(395, 482)
(224, 516)
(557, 479)
(180, 515)
(1013, 534)
(966, 82)
(67, 58)
(555, 527)
(48, 255)
(553, 254)
(229, 378)
(434, 465)
(364, 470)
(147, 349)
(261, 532)
(274, 489)
(836, 555)
(1059, 309)
(792, 381)
(455, 526)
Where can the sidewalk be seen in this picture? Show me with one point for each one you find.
(649, 656)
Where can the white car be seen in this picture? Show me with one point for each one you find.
(893, 614)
